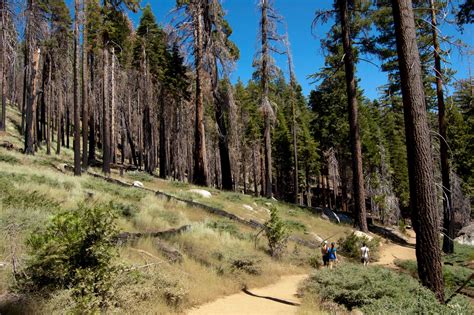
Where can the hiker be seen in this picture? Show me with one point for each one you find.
(364, 254)
(332, 256)
(324, 253)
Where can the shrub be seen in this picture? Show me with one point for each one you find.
(454, 276)
(74, 251)
(376, 290)
(351, 244)
(276, 232)
(246, 264)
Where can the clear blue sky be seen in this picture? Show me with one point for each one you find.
(305, 44)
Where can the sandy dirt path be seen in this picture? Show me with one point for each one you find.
(245, 304)
(391, 251)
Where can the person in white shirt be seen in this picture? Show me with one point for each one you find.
(364, 254)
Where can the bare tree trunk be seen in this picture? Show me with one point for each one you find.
(200, 173)
(48, 110)
(112, 107)
(163, 129)
(85, 87)
(77, 134)
(59, 113)
(31, 103)
(422, 190)
(92, 104)
(267, 110)
(105, 115)
(3, 67)
(448, 220)
(358, 179)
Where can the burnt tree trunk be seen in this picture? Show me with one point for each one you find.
(85, 88)
(267, 110)
(77, 130)
(356, 148)
(420, 169)
(105, 115)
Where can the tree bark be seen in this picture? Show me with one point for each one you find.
(3, 67)
(268, 191)
(105, 115)
(77, 134)
(112, 108)
(448, 220)
(163, 151)
(85, 87)
(422, 191)
(92, 110)
(356, 148)
(200, 173)
(31, 103)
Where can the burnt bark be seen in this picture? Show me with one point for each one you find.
(77, 134)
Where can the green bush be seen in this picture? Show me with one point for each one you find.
(276, 232)
(74, 251)
(350, 245)
(376, 290)
(454, 276)
(247, 264)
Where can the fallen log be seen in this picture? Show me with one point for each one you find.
(125, 237)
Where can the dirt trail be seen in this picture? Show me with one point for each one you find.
(391, 251)
(245, 304)
(280, 297)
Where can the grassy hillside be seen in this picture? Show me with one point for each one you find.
(219, 255)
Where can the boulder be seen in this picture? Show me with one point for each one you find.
(247, 207)
(316, 237)
(201, 192)
(362, 234)
(138, 184)
(466, 235)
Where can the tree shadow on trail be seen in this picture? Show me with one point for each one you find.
(270, 298)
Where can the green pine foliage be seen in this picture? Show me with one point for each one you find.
(277, 234)
(75, 251)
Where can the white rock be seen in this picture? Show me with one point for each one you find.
(248, 207)
(318, 238)
(466, 235)
(362, 234)
(201, 192)
(138, 184)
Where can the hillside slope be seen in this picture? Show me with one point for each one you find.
(219, 256)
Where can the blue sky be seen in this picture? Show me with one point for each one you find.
(305, 44)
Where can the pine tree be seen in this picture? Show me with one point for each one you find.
(422, 190)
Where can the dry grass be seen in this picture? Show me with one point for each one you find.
(33, 189)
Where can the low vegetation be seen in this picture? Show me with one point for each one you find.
(374, 290)
(350, 246)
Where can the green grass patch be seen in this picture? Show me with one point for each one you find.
(8, 158)
(127, 193)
